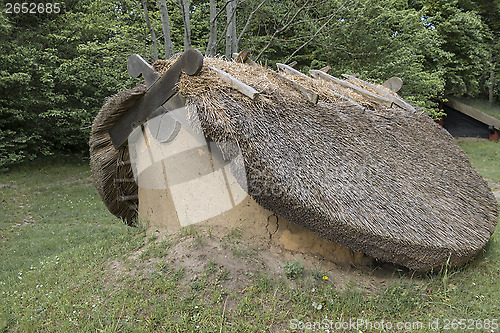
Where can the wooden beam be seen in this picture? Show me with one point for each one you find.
(382, 91)
(347, 99)
(325, 69)
(290, 70)
(473, 113)
(394, 84)
(307, 93)
(236, 84)
(368, 94)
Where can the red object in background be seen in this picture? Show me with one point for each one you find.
(494, 136)
(440, 122)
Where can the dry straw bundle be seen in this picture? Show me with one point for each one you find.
(111, 169)
(387, 182)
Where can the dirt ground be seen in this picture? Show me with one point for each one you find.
(249, 239)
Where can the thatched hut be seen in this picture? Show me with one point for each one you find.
(371, 173)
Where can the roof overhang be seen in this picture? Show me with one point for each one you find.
(473, 113)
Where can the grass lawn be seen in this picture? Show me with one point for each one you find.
(485, 156)
(66, 265)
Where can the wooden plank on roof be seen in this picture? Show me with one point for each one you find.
(382, 91)
(367, 94)
(473, 113)
(236, 84)
(347, 99)
(307, 93)
(290, 70)
(394, 84)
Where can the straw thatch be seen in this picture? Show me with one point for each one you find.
(383, 181)
(110, 165)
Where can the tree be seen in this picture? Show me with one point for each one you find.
(56, 71)
(184, 5)
(463, 41)
(150, 28)
(212, 42)
(490, 14)
(165, 23)
(231, 41)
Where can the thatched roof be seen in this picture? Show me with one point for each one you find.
(384, 181)
(110, 165)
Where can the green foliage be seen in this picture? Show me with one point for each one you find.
(438, 48)
(390, 41)
(55, 72)
(463, 36)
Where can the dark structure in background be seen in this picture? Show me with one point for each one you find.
(465, 121)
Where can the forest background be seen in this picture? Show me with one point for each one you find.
(56, 69)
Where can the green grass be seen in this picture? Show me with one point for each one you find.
(492, 109)
(65, 266)
(485, 156)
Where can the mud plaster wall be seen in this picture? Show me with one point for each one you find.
(257, 224)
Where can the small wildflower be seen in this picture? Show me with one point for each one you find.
(317, 306)
(313, 290)
(325, 277)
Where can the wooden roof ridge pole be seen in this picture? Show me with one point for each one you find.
(368, 94)
(379, 89)
(243, 57)
(290, 70)
(383, 92)
(236, 84)
(326, 69)
(307, 93)
(347, 99)
(473, 113)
